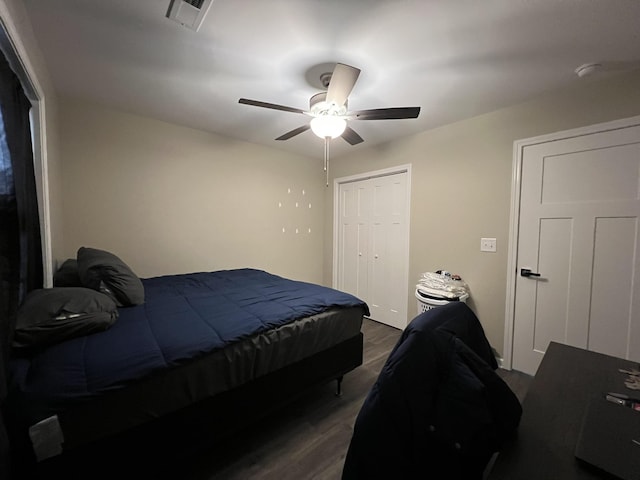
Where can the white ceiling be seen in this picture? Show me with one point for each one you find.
(453, 58)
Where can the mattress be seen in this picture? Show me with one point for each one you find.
(195, 336)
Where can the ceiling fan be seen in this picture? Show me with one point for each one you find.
(329, 110)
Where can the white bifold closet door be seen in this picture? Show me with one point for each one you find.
(372, 247)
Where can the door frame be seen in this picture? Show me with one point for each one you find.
(336, 220)
(514, 222)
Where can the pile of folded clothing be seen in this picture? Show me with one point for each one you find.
(442, 285)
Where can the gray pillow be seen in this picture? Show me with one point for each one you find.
(105, 272)
(67, 274)
(52, 315)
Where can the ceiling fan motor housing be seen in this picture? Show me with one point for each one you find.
(318, 105)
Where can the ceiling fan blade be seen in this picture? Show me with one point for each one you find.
(273, 106)
(351, 136)
(385, 113)
(294, 132)
(343, 79)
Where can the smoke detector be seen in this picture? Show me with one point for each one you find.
(588, 69)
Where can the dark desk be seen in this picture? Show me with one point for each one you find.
(552, 415)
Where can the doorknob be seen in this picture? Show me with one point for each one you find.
(526, 272)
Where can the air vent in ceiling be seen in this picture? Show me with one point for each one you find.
(189, 13)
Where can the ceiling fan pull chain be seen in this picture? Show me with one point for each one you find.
(326, 158)
(326, 152)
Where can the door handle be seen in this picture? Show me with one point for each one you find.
(526, 272)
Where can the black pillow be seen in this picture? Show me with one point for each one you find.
(105, 272)
(52, 315)
(67, 274)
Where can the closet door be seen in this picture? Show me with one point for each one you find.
(372, 247)
(353, 251)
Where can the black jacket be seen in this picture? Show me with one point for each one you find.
(438, 408)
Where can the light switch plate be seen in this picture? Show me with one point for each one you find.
(487, 244)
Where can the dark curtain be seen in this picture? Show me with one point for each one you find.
(20, 245)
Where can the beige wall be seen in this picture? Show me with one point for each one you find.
(18, 26)
(169, 199)
(461, 185)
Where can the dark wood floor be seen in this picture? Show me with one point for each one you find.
(308, 439)
(518, 381)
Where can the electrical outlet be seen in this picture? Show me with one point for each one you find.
(487, 244)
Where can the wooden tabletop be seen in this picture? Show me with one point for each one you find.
(553, 410)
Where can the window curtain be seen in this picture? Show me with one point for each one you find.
(20, 244)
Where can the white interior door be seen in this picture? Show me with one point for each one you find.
(578, 230)
(372, 244)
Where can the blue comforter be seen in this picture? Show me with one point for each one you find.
(183, 317)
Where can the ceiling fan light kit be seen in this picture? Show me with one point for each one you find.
(327, 118)
(329, 126)
(330, 110)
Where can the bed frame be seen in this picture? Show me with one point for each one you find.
(205, 423)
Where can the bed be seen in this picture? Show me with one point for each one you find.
(203, 354)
